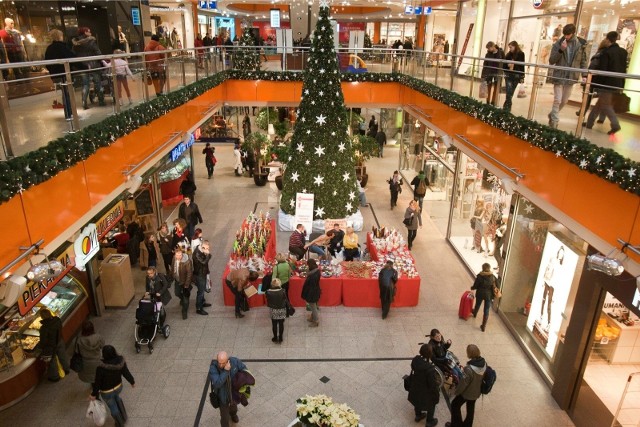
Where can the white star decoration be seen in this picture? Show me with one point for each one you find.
(341, 147)
(558, 153)
(335, 193)
(304, 190)
(348, 207)
(321, 93)
(583, 164)
(599, 159)
(307, 162)
(631, 172)
(292, 203)
(321, 119)
(528, 209)
(306, 91)
(319, 151)
(300, 147)
(324, 3)
(308, 131)
(610, 173)
(320, 212)
(321, 70)
(304, 119)
(318, 180)
(345, 177)
(333, 164)
(295, 176)
(333, 133)
(352, 195)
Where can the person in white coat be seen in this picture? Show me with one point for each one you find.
(237, 154)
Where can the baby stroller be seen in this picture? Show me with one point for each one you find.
(150, 316)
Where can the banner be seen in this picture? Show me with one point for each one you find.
(464, 46)
(304, 211)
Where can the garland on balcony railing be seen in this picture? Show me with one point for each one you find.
(38, 166)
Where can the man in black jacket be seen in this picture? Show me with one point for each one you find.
(86, 45)
(191, 214)
(201, 257)
(335, 245)
(387, 279)
(614, 59)
(52, 345)
(157, 286)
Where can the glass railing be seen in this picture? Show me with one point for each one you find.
(34, 111)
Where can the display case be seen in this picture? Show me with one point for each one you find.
(606, 338)
(174, 170)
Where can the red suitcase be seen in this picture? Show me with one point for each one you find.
(466, 305)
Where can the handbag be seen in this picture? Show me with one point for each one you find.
(497, 293)
(472, 222)
(407, 381)
(213, 398)
(76, 362)
(484, 90)
(148, 78)
(97, 412)
(291, 310)
(621, 103)
(407, 221)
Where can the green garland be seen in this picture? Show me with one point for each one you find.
(35, 167)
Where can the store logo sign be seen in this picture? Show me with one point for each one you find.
(537, 4)
(86, 246)
(181, 148)
(110, 219)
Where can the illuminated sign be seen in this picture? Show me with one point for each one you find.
(110, 219)
(181, 148)
(275, 18)
(537, 4)
(408, 10)
(86, 246)
(135, 16)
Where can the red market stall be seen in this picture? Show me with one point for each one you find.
(366, 292)
(330, 296)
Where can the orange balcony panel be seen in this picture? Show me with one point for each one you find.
(103, 170)
(192, 115)
(549, 177)
(163, 127)
(384, 93)
(241, 90)
(267, 91)
(141, 142)
(297, 94)
(356, 92)
(54, 205)
(13, 229)
(599, 205)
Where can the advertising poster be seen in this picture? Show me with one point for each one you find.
(551, 293)
(304, 210)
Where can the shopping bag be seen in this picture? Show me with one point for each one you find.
(621, 103)
(97, 412)
(207, 287)
(60, 369)
(522, 91)
(484, 90)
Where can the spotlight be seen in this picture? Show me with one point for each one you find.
(45, 271)
(603, 264)
(133, 183)
(447, 140)
(507, 185)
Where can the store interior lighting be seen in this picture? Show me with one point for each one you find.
(604, 264)
(45, 270)
(133, 183)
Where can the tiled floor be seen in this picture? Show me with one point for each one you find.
(170, 382)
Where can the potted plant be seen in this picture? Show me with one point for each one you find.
(258, 143)
(364, 148)
(320, 410)
(280, 151)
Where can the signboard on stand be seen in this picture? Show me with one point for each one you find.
(304, 210)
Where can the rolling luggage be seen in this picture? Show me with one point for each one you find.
(466, 305)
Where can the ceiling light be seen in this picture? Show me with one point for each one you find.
(603, 264)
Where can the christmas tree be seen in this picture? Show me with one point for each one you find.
(322, 160)
(367, 54)
(247, 55)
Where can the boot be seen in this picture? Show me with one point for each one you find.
(474, 312)
(484, 323)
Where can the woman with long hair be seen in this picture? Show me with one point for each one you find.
(513, 73)
(108, 383)
(414, 216)
(89, 344)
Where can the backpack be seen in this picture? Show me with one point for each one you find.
(421, 190)
(488, 380)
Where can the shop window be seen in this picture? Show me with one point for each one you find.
(540, 280)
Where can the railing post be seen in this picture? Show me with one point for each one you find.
(583, 105)
(167, 74)
(182, 69)
(143, 80)
(437, 68)
(534, 93)
(4, 126)
(75, 120)
(197, 64)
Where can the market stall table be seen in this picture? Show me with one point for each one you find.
(257, 300)
(357, 292)
(330, 296)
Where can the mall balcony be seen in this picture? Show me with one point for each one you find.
(58, 175)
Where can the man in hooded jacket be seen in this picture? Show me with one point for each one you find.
(86, 45)
(468, 389)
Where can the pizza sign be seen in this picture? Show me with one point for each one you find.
(86, 246)
(537, 4)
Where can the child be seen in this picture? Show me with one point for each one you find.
(122, 71)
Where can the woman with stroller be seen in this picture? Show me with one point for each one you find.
(108, 383)
(157, 288)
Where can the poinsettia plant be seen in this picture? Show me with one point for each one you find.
(320, 410)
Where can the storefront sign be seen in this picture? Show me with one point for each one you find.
(86, 246)
(35, 291)
(408, 10)
(135, 15)
(197, 134)
(181, 148)
(211, 5)
(110, 219)
(304, 210)
(275, 18)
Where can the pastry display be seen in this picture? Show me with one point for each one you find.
(30, 343)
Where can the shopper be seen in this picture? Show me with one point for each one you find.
(182, 272)
(86, 45)
(439, 347)
(414, 216)
(201, 258)
(58, 50)
(297, 241)
(387, 279)
(157, 288)
(569, 51)
(483, 285)
(155, 64)
(420, 184)
(335, 245)
(190, 212)
(424, 393)
(52, 345)
(468, 389)
(209, 159)
(164, 242)
(221, 373)
(89, 344)
(122, 71)
(351, 246)
(395, 188)
(179, 237)
(188, 187)
(613, 59)
(513, 73)
(282, 272)
(311, 291)
(381, 139)
(238, 169)
(152, 248)
(277, 303)
(594, 62)
(491, 71)
(108, 383)
(237, 281)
